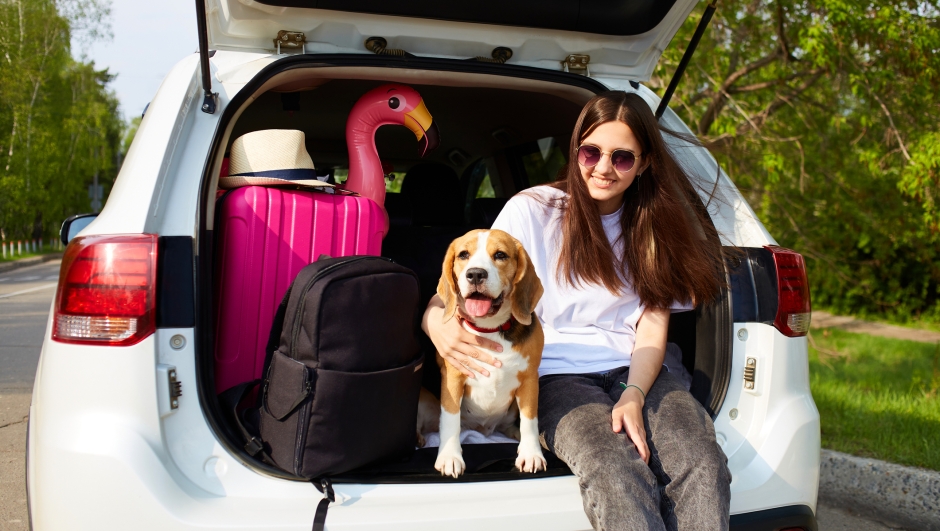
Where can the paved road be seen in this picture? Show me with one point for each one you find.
(25, 299)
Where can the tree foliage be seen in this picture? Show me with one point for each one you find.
(59, 125)
(824, 113)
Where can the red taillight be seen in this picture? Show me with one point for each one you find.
(107, 290)
(793, 304)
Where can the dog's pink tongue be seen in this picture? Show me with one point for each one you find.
(478, 307)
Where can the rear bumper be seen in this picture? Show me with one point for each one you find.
(779, 518)
(104, 457)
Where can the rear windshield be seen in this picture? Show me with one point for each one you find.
(605, 18)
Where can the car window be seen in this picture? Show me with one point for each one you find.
(392, 180)
(543, 159)
(479, 181)
(486, 187)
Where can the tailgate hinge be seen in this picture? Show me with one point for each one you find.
(577, 63)
(290, 40)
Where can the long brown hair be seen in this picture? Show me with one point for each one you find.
(671, 248)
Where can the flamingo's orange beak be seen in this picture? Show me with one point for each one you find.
(422, 125)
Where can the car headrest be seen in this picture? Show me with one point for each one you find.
(433, 190)
(399, 210)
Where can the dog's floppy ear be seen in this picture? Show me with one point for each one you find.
(447, 285)
(526, 289)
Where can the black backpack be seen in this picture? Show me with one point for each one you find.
(343, 370)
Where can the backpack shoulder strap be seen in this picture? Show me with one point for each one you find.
(274, 336)
(229, 400)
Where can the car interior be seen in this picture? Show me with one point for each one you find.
(497, 138)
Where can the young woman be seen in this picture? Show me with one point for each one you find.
(617, 243)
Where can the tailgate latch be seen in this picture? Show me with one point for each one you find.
(577, 63)
(169, 389)
(176, 389)
(290, 40)
(750, 373)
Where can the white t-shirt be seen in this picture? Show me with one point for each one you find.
(587, 328)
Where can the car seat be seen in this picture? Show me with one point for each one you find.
(433, 191)
(484, 210)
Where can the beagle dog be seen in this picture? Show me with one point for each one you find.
(489, 284)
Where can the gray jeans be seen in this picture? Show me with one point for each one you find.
(686, 484)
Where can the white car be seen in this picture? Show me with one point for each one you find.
(125, 429)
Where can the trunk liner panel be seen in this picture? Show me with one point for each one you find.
(485, 462)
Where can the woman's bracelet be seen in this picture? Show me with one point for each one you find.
(637, 388)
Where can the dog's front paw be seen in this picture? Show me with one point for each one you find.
(450, 464)
(531, 459)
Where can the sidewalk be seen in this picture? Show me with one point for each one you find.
(32, 260)
(851, 324)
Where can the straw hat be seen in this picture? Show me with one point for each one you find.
(271, 157)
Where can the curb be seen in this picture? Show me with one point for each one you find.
(33, 260)
(894, 494)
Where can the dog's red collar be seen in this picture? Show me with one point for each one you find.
(501, 328)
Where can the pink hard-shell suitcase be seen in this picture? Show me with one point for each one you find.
(266, 236)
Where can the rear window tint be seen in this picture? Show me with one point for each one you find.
(392, 180)
(543, 160)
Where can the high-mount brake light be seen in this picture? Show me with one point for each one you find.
(793, 302)
(107, 290)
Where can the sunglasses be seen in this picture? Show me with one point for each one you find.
(621, 159)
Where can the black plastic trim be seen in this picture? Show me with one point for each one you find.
(753, 282)
(712, 372)
(175, 275)
(64, 229)
(775, 519)
(602, 17)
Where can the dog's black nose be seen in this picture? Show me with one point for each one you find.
(476, 275)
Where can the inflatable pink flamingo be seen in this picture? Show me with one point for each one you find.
(386, 105)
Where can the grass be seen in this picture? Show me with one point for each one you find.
(877, 397)
(9, 258)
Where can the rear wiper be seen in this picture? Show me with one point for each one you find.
(686, 57)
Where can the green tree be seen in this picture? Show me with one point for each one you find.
(59, 125)
(824, 114)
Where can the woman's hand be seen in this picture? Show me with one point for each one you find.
(645, 366)
(456, 345)
(628, 415)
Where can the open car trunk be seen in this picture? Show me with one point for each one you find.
(502, 130)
